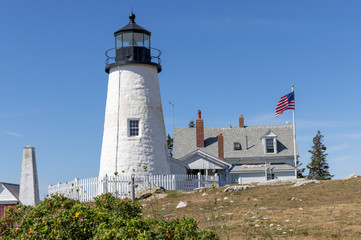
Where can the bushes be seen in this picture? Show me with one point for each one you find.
(117, 207)
(138, 228)
(109, 217)
(55, 217)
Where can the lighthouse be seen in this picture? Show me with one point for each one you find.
(134, 138)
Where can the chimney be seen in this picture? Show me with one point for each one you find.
(200, 130)
(241, 121)
(220, 146)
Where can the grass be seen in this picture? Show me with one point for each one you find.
(328, 210)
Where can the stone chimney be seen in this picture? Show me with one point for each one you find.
(241, 121)
(29, 184)
(220, 146)
(200, 130)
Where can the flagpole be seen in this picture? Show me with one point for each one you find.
(294, 135)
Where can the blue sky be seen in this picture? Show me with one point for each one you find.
(224, 57)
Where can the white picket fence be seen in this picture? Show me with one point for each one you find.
(86, 189)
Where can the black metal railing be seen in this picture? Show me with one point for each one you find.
(157, 56)
(110, 55)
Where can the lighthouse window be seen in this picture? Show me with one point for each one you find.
(133, 128)
(127, 39)
(146, 41)
(138, 39)
(119, 41)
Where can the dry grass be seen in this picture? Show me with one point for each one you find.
(328, 210)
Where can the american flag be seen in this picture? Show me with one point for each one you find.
(286, 102)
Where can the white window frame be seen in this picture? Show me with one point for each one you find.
(274, 140)
(133, 127)
(270, 146)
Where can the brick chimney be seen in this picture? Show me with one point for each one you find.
(241, 121)
(200, 130)
(220, 146)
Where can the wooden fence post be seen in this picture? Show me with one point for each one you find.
(199, 179)
(77, 190)
(174, 182)
(105, 184)
(133, 189)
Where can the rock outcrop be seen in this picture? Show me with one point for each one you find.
(353, 175)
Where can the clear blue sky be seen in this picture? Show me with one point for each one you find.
(224, 57)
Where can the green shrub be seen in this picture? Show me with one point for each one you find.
(109, 217)
(123, 208)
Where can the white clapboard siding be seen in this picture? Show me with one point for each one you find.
(85, 190)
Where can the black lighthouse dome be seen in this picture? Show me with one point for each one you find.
(132, 46)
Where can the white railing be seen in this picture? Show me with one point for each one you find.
(86, 189)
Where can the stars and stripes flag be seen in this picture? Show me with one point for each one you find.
(286, 102)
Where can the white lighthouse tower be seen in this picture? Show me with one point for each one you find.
(134, 139)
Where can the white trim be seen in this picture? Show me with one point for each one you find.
(205, 155)
(273, 136)
(179, 162)
(269, 134)
(262, 158)
(7, 196)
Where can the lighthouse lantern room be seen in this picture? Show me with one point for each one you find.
(132, 45)
(134, 139)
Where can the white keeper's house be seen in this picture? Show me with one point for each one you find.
(239, 154)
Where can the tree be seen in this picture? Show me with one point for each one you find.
(170, 145)
(318, 166)
(300, 170)
(191, 124)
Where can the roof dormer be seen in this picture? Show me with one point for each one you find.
(269, 141)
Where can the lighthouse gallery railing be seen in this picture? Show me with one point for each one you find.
(86, 189)
(110, 56)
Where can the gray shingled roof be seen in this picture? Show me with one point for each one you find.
(185, 141)
(13, 189)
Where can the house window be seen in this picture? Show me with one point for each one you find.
(133, 128)
(270, 176)
(236, 146)
(269, 145)
(270, 142)
(235, 178)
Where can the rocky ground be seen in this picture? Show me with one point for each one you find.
(300, 209)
